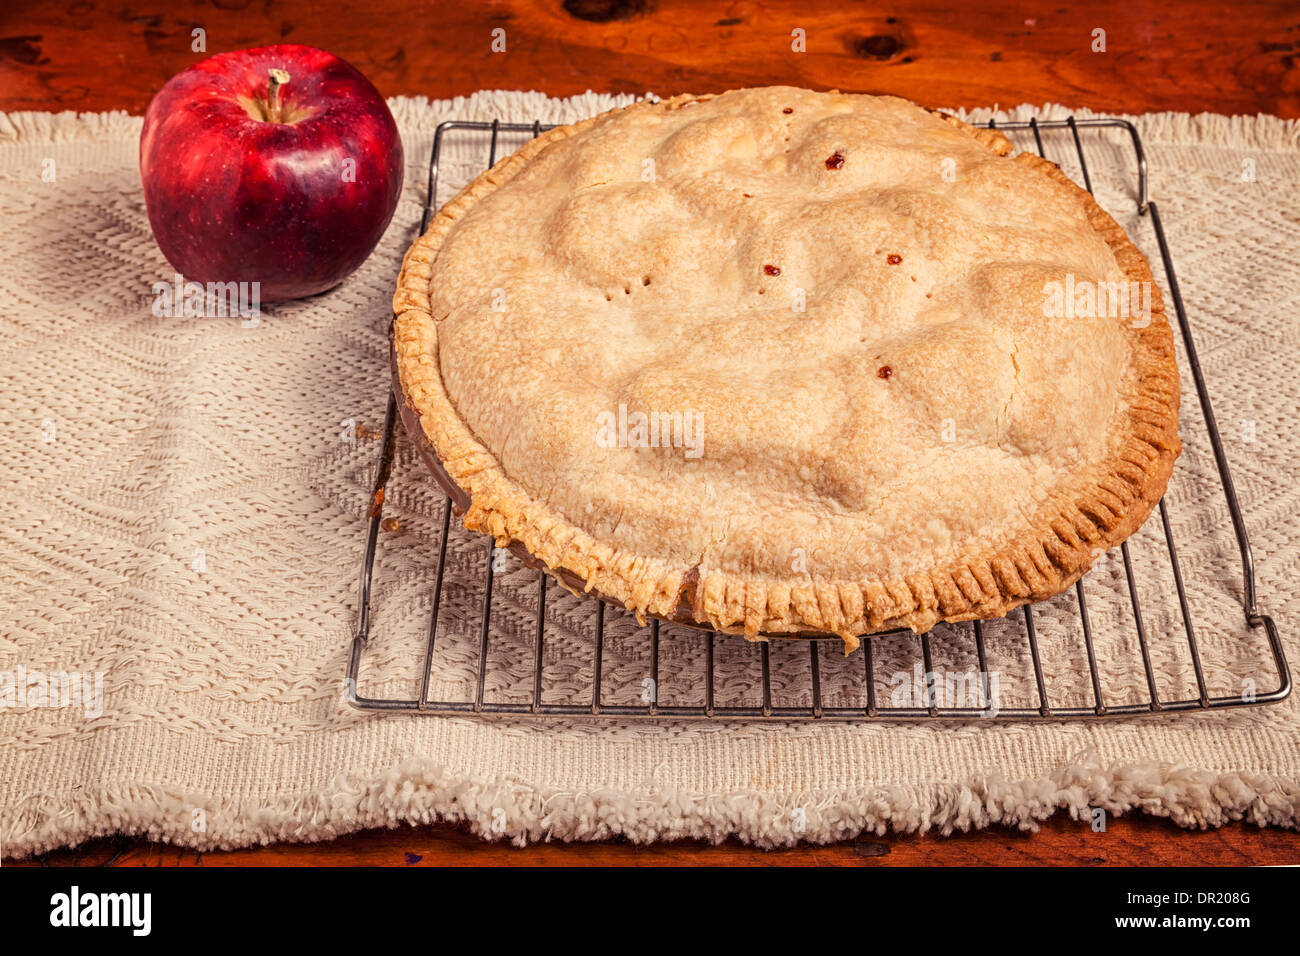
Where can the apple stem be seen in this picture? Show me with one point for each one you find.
(273, 109)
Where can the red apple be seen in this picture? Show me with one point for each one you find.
(279, 165)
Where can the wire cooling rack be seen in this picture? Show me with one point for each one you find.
(900, 657)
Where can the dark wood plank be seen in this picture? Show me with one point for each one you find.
(1198, 55)
(1130, 841)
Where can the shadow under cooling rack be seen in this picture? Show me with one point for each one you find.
(504, 640)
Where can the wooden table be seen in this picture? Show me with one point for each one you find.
(1126, 842)
(1193, 56)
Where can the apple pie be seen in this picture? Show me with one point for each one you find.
(779, 363)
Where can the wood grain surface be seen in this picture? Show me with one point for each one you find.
(1126, 842)
(1230, 58)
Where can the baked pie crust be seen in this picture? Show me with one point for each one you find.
(873, 411)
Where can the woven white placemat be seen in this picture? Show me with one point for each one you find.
(182, 520)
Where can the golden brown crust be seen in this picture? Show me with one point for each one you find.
(1067, 535)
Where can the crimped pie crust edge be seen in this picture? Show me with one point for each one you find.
(984, 585)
